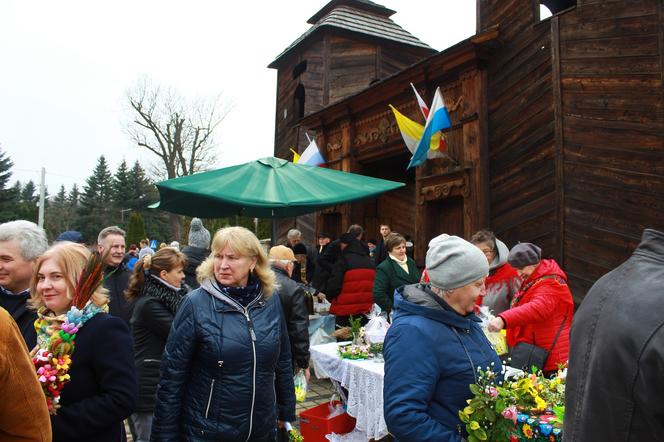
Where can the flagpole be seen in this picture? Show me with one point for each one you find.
(308, 137)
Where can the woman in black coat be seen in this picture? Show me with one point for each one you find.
(155, 287)
(95, 358)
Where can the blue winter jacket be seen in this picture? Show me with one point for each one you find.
(226, 371)
(431, 357)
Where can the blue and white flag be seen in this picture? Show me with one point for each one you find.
(438, 120)
(311, 155)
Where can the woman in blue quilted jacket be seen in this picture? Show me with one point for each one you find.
(226, 370)
(435, 346)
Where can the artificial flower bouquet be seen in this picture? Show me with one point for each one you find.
(527, 407)
(359, 348)
(354, 351)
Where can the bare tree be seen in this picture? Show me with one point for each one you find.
(176, 130)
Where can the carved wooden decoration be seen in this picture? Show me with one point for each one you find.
(458, 186)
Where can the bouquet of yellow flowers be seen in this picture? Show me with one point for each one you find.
(526, 407)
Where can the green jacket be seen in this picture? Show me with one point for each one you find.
(389, 277)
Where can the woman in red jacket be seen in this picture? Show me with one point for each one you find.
(541, 307)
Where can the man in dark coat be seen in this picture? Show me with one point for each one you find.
(291, 295)
(197, 251)
(303, 272)
(21, 243)
(615, 379)
(330, 255)
(381, 252)
(293, 238)
(111, 243)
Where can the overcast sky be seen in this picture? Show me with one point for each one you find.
(66, 67)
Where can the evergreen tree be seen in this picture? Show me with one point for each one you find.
(143, 194)
(28, 193)
(5, 172)
(122, 187)
(142, 190)
(27, 201)
(61, 196)
(74, 197)
(8, 196)
(59, 215)
(136, 228)
(96, 201)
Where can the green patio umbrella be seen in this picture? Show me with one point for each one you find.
(266, 188)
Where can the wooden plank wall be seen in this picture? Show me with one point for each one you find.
(393, 58)
(522, 184)
(287, 130)
(613, 129)
(352, 66)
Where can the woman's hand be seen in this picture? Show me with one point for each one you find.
(496, 324)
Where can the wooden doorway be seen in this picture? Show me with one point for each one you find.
(331, 224)
(444, 216)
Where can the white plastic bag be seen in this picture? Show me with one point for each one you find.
(376, 328)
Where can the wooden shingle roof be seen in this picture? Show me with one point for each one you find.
(360, 16)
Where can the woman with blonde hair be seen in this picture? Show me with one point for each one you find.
(83, 356)
(226, 370)
(156, 289)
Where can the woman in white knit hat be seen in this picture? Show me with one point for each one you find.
(435, 345)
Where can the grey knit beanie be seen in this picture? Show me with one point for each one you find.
(453, 262)
(199, 236)
(524, 254)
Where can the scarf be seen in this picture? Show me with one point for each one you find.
(242, 295)
(403, 264)
(56, 335)
(168, 295)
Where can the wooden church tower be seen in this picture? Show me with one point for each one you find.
(350, 45)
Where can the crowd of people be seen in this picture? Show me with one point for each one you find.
(203, 343)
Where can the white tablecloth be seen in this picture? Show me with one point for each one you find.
(364, 381)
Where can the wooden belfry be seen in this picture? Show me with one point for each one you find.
(557, 124)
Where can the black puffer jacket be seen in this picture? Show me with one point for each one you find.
(17, 306)
(291, 295)
(150, 324)
(324, 264)
(226, 372)
(117, 283)
(616, 357)
(195, 256)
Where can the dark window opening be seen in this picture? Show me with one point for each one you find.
(299, 101)
(299, 69)
(555, 6)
